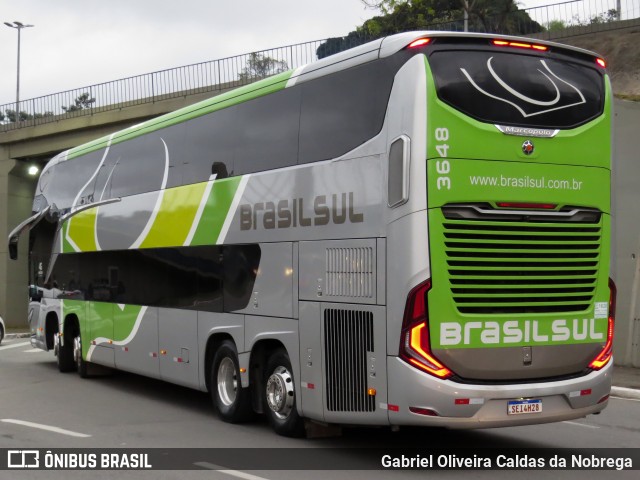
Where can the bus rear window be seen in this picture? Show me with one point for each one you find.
(518, 89)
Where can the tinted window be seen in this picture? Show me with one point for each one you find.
(210, 278)
(64, 181)
(517, 89)
(343, 110)
(139, 165)
(269, 129)
(210, 146)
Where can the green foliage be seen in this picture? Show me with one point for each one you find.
(556, 25)
(260, 66)
(494, 16)
(80, 103)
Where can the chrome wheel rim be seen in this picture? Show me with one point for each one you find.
(280, 393)
(227, 382)
(77, 350)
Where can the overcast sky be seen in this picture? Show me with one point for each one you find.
(76, 43)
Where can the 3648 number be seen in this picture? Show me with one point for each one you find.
(443, 167)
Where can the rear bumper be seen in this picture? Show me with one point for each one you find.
(487, 407)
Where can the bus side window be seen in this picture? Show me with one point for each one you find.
(269, 128)
(210, 145)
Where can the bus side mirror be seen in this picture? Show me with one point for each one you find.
(13, 251)
(35, 295)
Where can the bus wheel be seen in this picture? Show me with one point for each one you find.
(81, 365)
(231, 400)
(280, 396)
(64, 353)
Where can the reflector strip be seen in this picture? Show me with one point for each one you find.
(153, 354)
(125, 349)
(393, 408)
(177, 359)
(546, 206)
(423, 411)
(310, 386)
(469, 401)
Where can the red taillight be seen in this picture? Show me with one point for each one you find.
(414, 342)
(607, 351)
(601, 62)
(531, 46)
(421, 42)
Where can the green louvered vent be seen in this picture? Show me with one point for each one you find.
(522, 266)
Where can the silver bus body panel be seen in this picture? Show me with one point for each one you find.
(409, 387)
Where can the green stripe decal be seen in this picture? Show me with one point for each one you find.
(177, 212)
(216, 211)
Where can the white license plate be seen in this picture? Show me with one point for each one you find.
(519, 407)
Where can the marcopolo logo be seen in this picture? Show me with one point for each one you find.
(515, 332)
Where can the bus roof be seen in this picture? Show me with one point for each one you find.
(365, 53)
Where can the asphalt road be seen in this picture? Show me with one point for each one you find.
(129, 411)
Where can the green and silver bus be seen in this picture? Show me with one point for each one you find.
(412, 232)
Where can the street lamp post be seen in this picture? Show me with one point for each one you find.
(18, 26)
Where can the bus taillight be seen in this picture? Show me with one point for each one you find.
(421, 42)
(533, 46)
(414, 347)
(607, 351)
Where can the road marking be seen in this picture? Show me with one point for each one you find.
(49, 428)
(233, 473)
(15, 345)
(33, 350)
(580, 424)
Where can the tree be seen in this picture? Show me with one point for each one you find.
(260, 66)
(80, 103)
(495, 16)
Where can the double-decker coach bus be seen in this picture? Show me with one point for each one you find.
(412, 232)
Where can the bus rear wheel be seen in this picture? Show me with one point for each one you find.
(231, 400)
(81, 365)
(64, 354)
(280, 396)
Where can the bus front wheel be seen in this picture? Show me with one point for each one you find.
(280, 396)
(231, 400)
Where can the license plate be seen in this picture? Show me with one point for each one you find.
(519, 407)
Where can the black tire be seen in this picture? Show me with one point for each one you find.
(232, 402)
(1, 334)
(65, 356)
(280, 396)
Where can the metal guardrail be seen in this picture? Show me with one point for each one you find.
(222, 74)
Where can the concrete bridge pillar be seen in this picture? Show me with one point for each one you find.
(16, 198)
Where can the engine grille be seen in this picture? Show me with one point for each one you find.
(516, 265)
(349, 272)
(348, 337)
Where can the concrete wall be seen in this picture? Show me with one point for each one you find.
(626, 256)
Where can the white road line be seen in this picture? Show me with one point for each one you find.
(580, 424)
(48, 428)
(15, 345)
(233, 473)
(33, 350)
